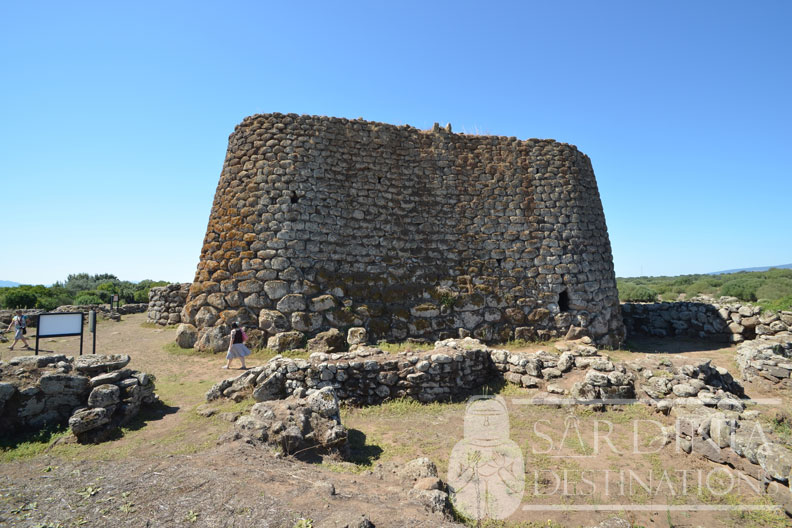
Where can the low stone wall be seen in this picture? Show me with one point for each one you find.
(768, 358)
(94, 394)
(725, 320)
(368, 376)
(713, 418)
(166, 303)
(528, 370)
(737, 438)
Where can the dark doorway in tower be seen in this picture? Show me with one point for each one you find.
(563, 301)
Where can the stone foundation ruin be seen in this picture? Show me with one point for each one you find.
(93, 394)
(324, 223)
(713, 417)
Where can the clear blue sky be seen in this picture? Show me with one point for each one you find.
(114, 119)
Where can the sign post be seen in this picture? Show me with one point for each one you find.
(92, 327)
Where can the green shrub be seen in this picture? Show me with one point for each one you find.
(634, 293)
(774, 288)
(141, 296)
(18, 298)
(784, 303)
(87, 298)
(742, 288)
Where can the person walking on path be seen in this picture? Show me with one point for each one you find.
(20, 327)
(236, 346)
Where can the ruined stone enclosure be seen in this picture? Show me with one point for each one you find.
(323, 222)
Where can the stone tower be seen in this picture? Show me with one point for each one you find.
(322, 222)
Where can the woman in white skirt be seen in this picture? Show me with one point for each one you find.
(236, 346)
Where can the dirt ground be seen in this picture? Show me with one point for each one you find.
(166, 469)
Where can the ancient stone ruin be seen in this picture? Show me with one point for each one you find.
(297, 400)
(324, 223)
(93, 394)
(725, 319)
(166, 303)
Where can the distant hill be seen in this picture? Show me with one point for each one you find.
(8, 284)
(760, 268)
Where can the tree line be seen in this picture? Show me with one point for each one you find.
(771, 289)
(78, 289)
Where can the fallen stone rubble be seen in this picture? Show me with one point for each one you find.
(714, 418)
(307, 422)
(93, 394)
(768, 358)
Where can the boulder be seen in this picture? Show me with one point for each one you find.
(213, 339)
(293, 302)
(88, 419)
(270, 388)
(283, 341)
(186, 335)
(326, 342)
(92, 364)
(273, 322)
(104, 396)
(565, 362)
(776, 460)
(325, 403)
(417, 469)
(357, 336)
(294, 425)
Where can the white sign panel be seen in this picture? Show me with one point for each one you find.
(59, 324)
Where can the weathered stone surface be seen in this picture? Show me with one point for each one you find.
(293, 302)
(566, 362)
(283, 341)
(88, 419)
(720, 430)
(92, 364)
(165, 304)
(64, 383)
(213, 339)
(329, 341)
(306, 321)
(186, 335)
(776, 460)
(385, 259)
(104, 396)
(270, 388)
(325, 403)
(273, 321)
(596, 378)
(357, 336)
(323, 303)
(297, 425)
(276, 289)
(417, 469)
(706, 448)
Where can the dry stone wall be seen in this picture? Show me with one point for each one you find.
(768, 358)
(94, 394)
(324, 223)
(724, 320)
(166, 303)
